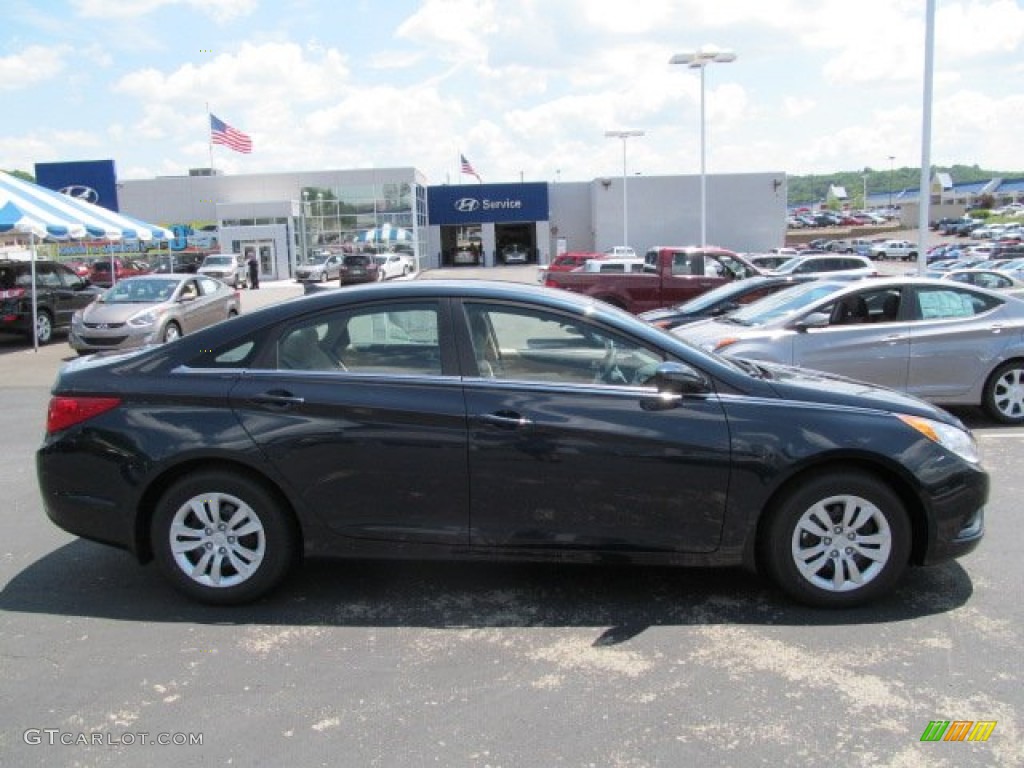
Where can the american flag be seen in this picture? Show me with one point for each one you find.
(222, 133)
(468, 169)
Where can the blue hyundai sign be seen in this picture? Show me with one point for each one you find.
(91, 180)
(485, 203)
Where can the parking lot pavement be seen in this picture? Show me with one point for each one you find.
(473, 665)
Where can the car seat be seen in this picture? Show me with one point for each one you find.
(301, 351)
(891, 307)
(852, 310)
(484, 348)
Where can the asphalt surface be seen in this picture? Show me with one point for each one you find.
(455, 664)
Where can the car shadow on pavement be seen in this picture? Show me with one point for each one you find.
(86, 579)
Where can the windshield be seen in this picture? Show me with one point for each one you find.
(712, 297)
(789, 266)
(140, 292)
(357, 261)
(219, 261)
(784, 303)
(315, 259)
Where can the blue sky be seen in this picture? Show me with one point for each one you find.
(523, 88)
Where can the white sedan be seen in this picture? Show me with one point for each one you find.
(393, 265)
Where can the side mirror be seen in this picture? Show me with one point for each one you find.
(673, 381)
(725, 309)
(813, 320)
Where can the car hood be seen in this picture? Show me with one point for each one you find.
(804, 384)
(98, 312)
(706, 333)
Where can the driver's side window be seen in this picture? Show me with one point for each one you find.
(522, 344)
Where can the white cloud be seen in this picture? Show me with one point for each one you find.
(32, 65)
(220, 10)
(454, 30)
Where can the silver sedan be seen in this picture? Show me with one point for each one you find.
(944, 341)
(319, 268)
(151, 309)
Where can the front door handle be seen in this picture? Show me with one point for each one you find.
(278, 398)
(504, 420)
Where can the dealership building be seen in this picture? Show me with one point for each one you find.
(282, 216)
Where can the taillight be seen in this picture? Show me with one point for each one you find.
(65, 412)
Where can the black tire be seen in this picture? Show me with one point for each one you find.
(858, 506)
(44, 327)
(1003, 398)
(247, 565)
(171, 332)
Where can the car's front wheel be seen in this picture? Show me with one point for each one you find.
(1004, 393)
(221, 538)
(171, 332)
(837, 539)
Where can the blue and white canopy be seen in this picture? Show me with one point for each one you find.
(155, 230)
(385, 234)
(81, 219)
(55, 211)
(14, 219)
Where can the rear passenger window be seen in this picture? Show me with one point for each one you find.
(399, 339)
(942, 303)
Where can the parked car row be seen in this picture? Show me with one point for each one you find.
(142, 309)
(826, 218)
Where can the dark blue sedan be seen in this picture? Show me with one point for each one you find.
(468, 419)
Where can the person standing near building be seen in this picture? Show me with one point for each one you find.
(253, 263)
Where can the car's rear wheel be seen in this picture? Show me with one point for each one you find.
(220, 537)
(1004, 393)
(44, 327)
(837, 539)
(172, 332)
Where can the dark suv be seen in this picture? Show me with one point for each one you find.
(59, 293)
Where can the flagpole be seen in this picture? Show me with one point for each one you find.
(209, 135)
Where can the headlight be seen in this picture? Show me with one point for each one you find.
(145, 318)
(953, 439)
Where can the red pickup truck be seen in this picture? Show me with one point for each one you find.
(670, 276)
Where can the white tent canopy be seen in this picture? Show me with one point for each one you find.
(28, 208)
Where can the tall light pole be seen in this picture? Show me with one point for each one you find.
(699, 59)
(624, 135)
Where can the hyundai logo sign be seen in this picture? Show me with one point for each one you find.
(523, 202)
(471, 204)
(81, 192)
